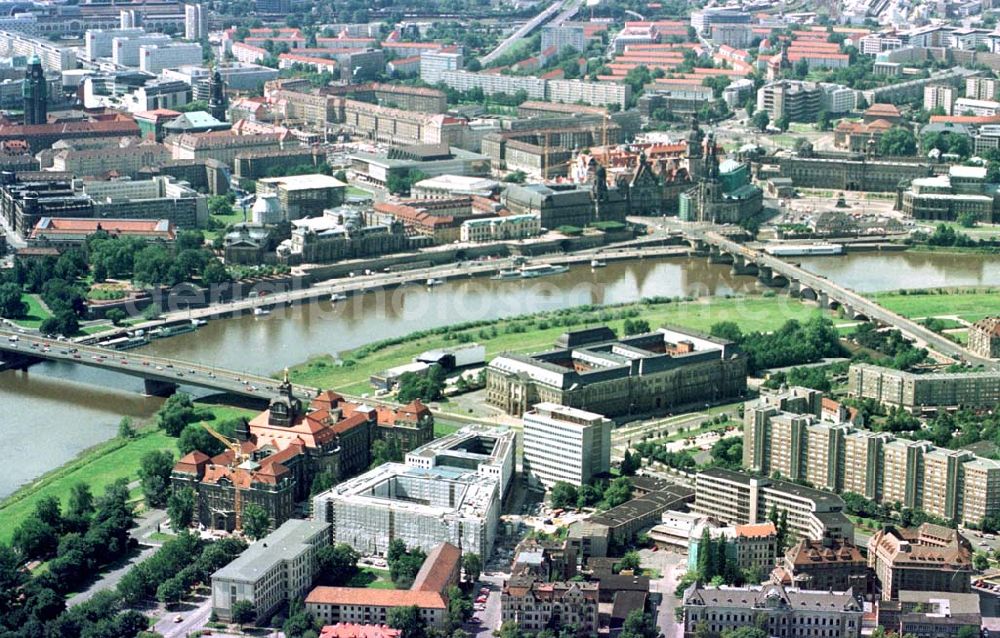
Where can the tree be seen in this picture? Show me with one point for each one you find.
(639, 624)
(898, 141)
(35, 538)
(459, 608)
(801, 69)
(619, 491)
(408, 621)
(563, 495)
(337, 564)
(472, 566)
(125, 429)
(81, 502)
(823, 121)
(728, 330)
(214, 273)
(745, 632)
(510, 629)
(968, 631)
(194, 437)
(243, 612)
(782, 123)
(180, 509)
(11, 305)
(968, 219)
(256, 522)
(630, 463)
(170, 591)
(782, 541)
(116, 316)
(48, 510)
(154, 476)
(980, 561)
(760, 120)
(630, 561)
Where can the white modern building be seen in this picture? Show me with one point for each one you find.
(276, 569)
(125, 45)
(981, 108)
(434, 63)
(940, 95)
(54, 58)
(98, 42)
(195, 22)
(449, 186)
(154, 58)
(487, 450)
(501, 228)
(565, 444)
(422, 507)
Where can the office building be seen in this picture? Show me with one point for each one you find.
(927, 558)
(222, 146)
(984, 337)
(154, 58)
(303, 196)
(704, 20)
(592, 369)
(422, 507)
(68, 232)
(487, 450)
(508, 227)
(777, 610)
(924, 392)
(830, 564)
(941, 96)
(563, 444)
(619, 526)
(534, 605)
(979, 108)
(737, 498)
(449, 186)
(792, 99)
(125, 45)
(126, 157)
(99, 43)
(276, 570)
(195, 22)
(429, 594)
(157, 198)
(931, 614)
(434, 63)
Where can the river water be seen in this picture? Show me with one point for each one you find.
(56, 410)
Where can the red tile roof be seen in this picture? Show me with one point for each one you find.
(375, 597)
(354, 630)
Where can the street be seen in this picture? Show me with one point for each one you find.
(672, 567)
(488, 619)
(193, 618)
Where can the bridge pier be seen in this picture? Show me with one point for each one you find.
(766, 276)
(716, 256)
(743, 266)
(16, 361)
(155, 388)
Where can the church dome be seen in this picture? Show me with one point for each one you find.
(266, 209)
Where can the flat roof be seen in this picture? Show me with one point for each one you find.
(288, 541)
(305, 182)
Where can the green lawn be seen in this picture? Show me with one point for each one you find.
(970, 305)
(36, 312)
(372, 578)
(752, 313)
(443, 427)
(358, 192)
(98, 467)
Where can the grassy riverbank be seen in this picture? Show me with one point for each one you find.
(970, 304)
(98, 467)
(539, 331)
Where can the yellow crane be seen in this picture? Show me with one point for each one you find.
(238, 458)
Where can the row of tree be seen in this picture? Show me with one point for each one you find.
(599, 494)
(795, 343)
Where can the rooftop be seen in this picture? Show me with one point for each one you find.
(286, 542)
(305, 182)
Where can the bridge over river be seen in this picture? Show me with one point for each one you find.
(774, 271)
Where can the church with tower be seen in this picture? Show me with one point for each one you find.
(35, 93)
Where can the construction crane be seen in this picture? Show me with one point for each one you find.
(239, 457)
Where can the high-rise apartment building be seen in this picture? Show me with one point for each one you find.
(195, 22)
(978, 88)
(924, 392)
(565, 444)
(434, 63)
(782, 436)
(940, 95)
(564, 37)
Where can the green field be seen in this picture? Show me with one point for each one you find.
(36, 313)
(970, 305)
(357, 192)
(372, 578)
(752, 313)
(98, 467)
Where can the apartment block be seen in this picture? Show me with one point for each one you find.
(565, 444)
(434, 63)
(940, 95)
(98, 43)
(737, 498)
(798, 101)
(534, 605)
(982, 88)
(125, 44)
(836, 456)
(273, 571)
(195, 22)
(984, 337)
(564, 37)
(924, 392)
(53, 58)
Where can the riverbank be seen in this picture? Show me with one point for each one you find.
(539, 331)
(98, 467)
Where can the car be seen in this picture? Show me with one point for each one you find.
(76, 356)
(178, 618)
(180, 374)
(481, 599)
(124, 362)
(159, 367)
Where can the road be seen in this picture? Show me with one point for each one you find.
(485, 621)
(145, 525)
(672, 567)
(191, 620)
(523, 31)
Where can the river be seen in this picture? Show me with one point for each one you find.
(69, 408)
